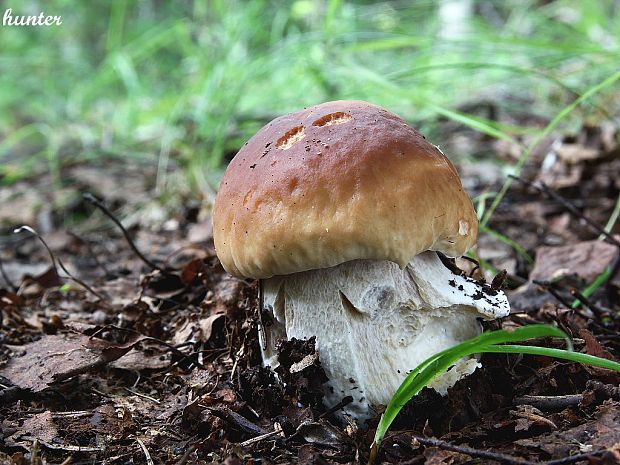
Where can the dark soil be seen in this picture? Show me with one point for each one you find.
(104, 359)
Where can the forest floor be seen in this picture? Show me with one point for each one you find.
(107, 357)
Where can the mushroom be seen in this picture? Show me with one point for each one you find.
(340, 210)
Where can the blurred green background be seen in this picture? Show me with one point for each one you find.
(190, 81)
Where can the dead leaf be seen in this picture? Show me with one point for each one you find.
(586, 259)
(39, 426)
(437, 456)
(139, 360)
(321, 433)
(49, 278)
(200, 330)
(54, 358)
(593, 347)
(601, 432)
(192, 270)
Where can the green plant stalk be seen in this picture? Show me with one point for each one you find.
(612, 219)
(554, 122)
(593, 286)
(416, 380)
(509, 242)
(485, 343)
(555, 353)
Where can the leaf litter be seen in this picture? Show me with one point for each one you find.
(163, 364)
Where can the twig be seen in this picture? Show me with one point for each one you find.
(10, 283)
(484, 454)
(502, 458)
(600, 314)
(34, 452)
(550, 289)
(550, 402)
(69, 447)
(544, 189)
(237, 420)
(574, 458)
(57, 262)
(185, 457)
(91, 199)
(262, 437)
(149, 460)
(344, 402)
(136, 393)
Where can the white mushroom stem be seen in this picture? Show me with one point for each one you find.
(374, 322)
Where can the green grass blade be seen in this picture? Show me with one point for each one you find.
(593, 286)
(506, 240)
(554, 122)
(555, 353)
(612, 219)
(438, 363)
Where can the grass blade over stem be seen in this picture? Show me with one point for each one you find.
(419, 377)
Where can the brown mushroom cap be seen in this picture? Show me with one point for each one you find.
(336, 182)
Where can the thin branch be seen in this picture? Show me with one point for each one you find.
(550, 402)
(91, 199)
(13, 287)
(149, 460)
(57, 262)
(502, 458)
(544, 189)
(343, 403)
(600, 314)
(548, 286)
(484, 454)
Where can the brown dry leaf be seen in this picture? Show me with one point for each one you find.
(196, 330)
(39, 426)
(192, 270)
(601, 432)
(587, 259)
(529, 416)
(58, 357)
(558, 175)
(437, 456)
(16, 271)
(48, 279)
(593, 347)
(321, 433)
(139, 360)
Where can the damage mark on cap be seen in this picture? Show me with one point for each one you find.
(291, 137)
(339, 117)
(463, 228)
